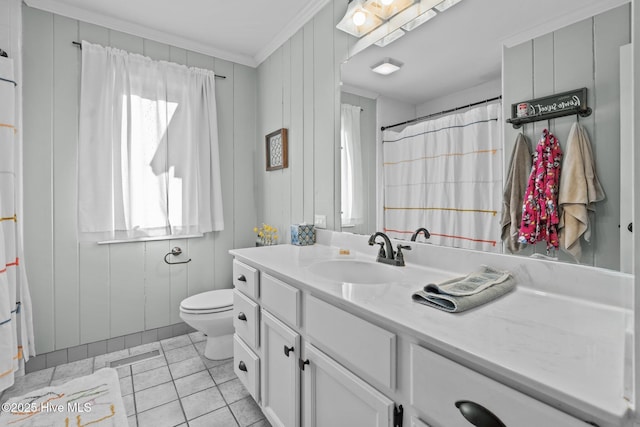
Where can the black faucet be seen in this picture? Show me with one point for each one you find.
(423, 230)
(388, 256)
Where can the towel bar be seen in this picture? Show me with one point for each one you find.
(175, 251)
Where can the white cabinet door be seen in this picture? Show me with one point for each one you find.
(280, 373)
(333, 396)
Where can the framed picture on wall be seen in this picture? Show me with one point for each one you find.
(277, 150)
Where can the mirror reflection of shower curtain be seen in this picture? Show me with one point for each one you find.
(352, 188)
(446, 175)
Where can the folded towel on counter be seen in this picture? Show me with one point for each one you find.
(464, 293)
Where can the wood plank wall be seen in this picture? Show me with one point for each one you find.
(83, 292)
(585, 54)
(298, 89)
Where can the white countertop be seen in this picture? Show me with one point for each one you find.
(567, 352)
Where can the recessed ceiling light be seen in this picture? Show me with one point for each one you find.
(386, 67)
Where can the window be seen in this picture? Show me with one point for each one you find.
(148, 162)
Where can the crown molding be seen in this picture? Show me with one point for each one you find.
(73, 12)
(290, 29)
(556, 23)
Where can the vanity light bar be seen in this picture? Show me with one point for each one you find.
(446, 4)
(373, 20)
(390, 38)
(421, 19)
(385, 9)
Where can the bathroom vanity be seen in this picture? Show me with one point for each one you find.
(317, 351)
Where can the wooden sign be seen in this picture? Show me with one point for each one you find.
(550, 107)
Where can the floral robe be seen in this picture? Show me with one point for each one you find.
(540, 207)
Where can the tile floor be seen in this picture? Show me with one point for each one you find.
(178, 388)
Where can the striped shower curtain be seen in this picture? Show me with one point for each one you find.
(446, 175)
(16, 328)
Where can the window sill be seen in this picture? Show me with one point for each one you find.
(149, 239)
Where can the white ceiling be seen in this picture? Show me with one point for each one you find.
(462, 47)
(242, 31)
(456, 50)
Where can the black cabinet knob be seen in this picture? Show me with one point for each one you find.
(478, 415)
(301, 363)
(242, 316)
(241, 278)
(242, 366)
(287, 350)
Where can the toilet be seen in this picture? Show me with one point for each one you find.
(212, 313)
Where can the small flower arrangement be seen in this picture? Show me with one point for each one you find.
(266, 235)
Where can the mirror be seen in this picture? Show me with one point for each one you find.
(457, 58)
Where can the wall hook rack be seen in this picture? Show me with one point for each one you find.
(175, 252)
(550, 107)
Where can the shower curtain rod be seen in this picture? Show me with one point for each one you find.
(419, 119)
(80, 46)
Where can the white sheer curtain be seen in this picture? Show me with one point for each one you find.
(446, 175)
(148, 158)
(351, 168)
(16, 326)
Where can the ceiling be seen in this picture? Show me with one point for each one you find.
(462, 47)
(458, 49)
(242, 31)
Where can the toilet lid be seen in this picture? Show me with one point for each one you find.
(209, 300)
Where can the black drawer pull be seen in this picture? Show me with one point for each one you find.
(242, 316)
(287, 350)
(478, 415)
(241, 278)
(242, 366)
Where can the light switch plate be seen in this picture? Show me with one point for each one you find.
(320, 221)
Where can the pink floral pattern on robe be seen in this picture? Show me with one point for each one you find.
(540, 206)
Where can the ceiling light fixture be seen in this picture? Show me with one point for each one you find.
(380, 20)
(387, 66)
(358, 21)
(385, 9)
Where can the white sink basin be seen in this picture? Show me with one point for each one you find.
(354, 271)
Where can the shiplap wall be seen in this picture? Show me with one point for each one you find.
(368, 141)
(83, 292)
(585, 54)
(298, 89)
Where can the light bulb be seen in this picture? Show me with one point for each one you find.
(386, 2)
(359, 18)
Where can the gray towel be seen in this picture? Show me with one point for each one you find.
(514, 189)
(579, 190)
(464, 293)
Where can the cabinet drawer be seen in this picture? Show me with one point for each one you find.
(246, 366)
(352, 341)
(246, 319)
(246, 279)
(280, 299)
(438, 383)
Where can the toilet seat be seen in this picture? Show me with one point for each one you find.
(217, 301)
